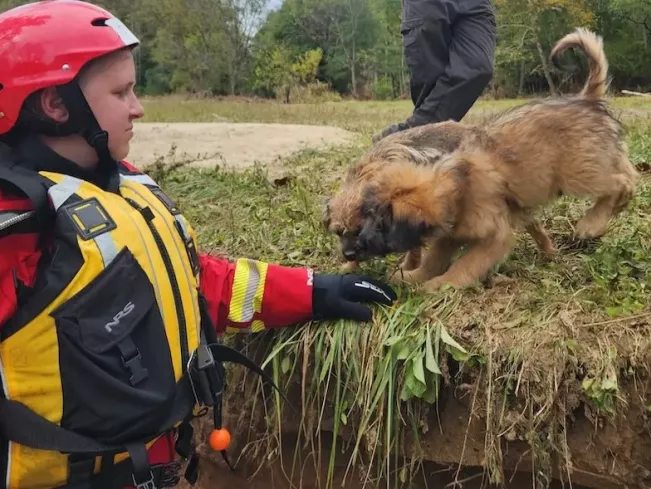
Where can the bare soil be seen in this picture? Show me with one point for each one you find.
(614, 456)
(229, 145)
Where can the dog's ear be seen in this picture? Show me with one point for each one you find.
(404, 190)
(371, 202)
(448, 194)
(424, 198)
(459, 168)
(385, 214)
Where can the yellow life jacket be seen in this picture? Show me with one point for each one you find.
(114, 348)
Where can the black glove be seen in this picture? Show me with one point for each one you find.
(339, 296)
(397, 127)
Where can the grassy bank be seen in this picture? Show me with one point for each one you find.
(532, 345)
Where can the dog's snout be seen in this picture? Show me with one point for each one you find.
(349, 255)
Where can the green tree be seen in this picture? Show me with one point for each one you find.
(276, 73)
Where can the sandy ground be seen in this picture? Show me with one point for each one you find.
(232, 145)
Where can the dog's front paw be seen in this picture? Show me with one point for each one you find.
(349, 267)
(402, 276)
(446, 281)
(433, 285)
(411, 261)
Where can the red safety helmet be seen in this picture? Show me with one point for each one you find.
(45, 44)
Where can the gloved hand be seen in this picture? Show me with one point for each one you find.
(340, 296)
(398, 126)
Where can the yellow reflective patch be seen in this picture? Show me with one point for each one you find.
(248, 290)
(238, 290)
(257, 326)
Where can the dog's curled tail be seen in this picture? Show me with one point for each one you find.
(592, 46)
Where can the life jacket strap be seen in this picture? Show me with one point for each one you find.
(118, 476)
(33, 185)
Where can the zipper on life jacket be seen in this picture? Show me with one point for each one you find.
(148, 215)
(183, 251)
(15, 220)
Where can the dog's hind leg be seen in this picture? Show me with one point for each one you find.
(620, 191)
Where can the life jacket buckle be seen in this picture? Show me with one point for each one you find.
(134, 365)
(170, 474)
(203, 377)
(205, 358)
(149, 484)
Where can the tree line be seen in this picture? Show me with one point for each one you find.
(353, 48)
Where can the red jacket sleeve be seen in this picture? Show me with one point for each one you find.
(249, 295)
(19, 257)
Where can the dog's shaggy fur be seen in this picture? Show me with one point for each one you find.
(493, 181)
(342, 213)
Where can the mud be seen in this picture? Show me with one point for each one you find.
(614, 454)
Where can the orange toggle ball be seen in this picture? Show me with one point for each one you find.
(220, 439)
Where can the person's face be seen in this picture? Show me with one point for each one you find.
(108, 87)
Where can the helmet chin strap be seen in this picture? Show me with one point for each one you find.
(82, 121)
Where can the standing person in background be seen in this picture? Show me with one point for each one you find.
(449, 47)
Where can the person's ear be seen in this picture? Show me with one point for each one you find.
(52, 105)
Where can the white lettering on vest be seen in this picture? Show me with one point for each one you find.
(119, 316)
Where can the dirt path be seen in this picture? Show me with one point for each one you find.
(230, 145)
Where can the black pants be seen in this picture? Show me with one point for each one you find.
(449, 49)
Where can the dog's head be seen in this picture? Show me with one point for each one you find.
(361, 223)
(383, 231)
(342, 216)
(342, 213)
(362, 211)
(408, 203)
(397, 208)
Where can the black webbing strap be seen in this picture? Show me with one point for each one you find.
(142, 475)
(121, 475)
(224, 353)
(132, 472)
(32, 185)
(209, 376)
(21, 425)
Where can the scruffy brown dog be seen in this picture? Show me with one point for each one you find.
(343, 213)
(495, 179)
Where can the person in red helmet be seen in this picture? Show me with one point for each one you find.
(110, 317)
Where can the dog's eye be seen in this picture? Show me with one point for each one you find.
(339, 232)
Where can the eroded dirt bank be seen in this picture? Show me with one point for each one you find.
(615, 455)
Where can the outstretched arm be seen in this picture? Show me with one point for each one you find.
(250, 296)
